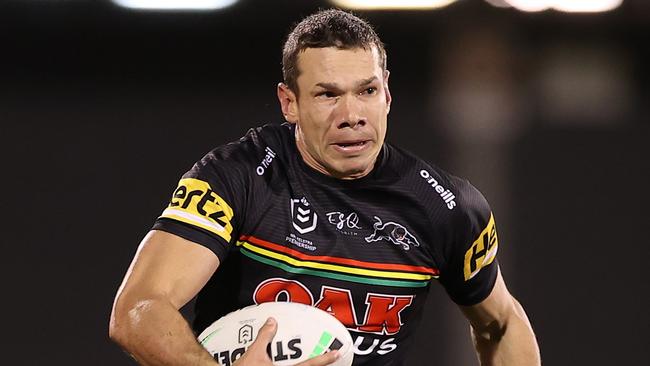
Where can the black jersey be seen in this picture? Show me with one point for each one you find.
(365, 250)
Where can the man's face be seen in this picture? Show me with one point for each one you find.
(341, 111)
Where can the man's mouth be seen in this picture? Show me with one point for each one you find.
(351, 146)
(352, 143)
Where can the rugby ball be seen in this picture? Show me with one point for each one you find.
(303, 332)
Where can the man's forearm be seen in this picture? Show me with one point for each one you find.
(513, 343)
(155, 333)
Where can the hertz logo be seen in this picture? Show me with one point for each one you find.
(195, 203)
(483, 250)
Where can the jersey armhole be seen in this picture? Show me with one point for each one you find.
(216, 244)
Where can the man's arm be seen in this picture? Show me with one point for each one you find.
(165, 274)
(501, 330)
(167, 271)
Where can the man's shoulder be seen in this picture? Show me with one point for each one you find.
(253, 145)
(249, 155)
(433, 183)
(255, 139)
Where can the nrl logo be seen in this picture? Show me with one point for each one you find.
(303, 216)
(392, 232)
(245, 334)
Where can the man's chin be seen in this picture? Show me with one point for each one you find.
(352, 171)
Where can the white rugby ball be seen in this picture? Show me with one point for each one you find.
(303, 332)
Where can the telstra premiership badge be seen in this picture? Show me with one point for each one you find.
(303, 216)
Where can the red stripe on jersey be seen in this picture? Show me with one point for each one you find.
(339, 260)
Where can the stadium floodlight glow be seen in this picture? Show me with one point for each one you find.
(499, 3)
(392, 4)
(569, 6)
(175, 4)
(586, 6)
(530, 5)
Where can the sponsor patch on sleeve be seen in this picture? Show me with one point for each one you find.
(195, 203)
(483, 250)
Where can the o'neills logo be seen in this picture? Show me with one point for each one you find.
(266, 162)
(444, 193)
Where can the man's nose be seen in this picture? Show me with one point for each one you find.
(349, 113)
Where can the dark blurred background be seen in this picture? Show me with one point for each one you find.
(102, 108)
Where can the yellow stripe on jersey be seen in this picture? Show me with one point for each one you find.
(483, 250)
(195, 203)
(332, 267)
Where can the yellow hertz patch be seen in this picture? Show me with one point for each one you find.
(195, 203)
(483, 250)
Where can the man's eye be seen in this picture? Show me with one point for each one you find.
(326, 94)
(370, 91)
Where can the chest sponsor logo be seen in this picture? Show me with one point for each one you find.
(266, 162)
(303, 216)
(382, 315)
(444, 193)
(392, 232)
(346, 224)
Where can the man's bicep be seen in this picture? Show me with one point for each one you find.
(168, 266)
(493, 310)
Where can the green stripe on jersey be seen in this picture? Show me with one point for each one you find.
(335, 276)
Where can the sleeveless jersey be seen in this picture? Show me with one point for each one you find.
(365, 250)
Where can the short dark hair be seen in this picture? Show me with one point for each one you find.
(327, 28)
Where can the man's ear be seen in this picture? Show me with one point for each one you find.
(389, 98)
(288, 103)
